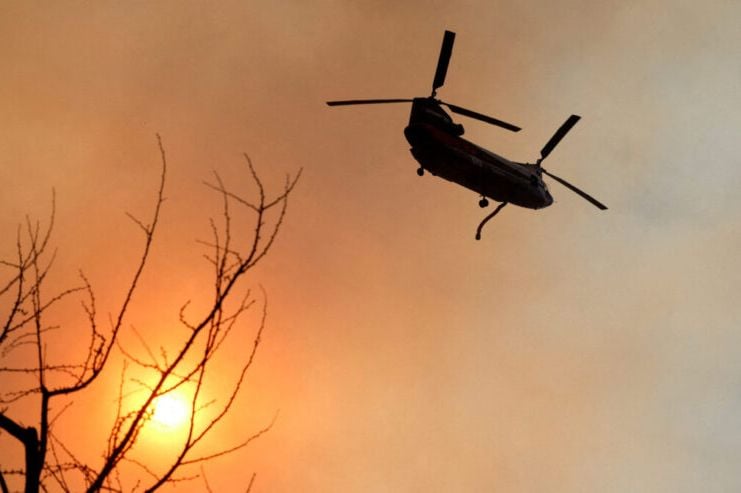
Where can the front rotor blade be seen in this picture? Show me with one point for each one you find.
(583, 194)
(367, 101)
(442, 62)
(483, 118)
(560, 133)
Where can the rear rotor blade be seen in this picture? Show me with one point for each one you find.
(560, 133)
(483, 118)
(367, 101)
(571, 187)
(442, 62)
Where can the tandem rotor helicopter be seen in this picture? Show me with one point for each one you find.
(438, 147)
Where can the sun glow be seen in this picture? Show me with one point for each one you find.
(171, 411)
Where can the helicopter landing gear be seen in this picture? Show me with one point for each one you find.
(420, 171)
(483, 203)
(486, 219)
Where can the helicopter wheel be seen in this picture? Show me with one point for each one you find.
(420, 171)
(483, 202)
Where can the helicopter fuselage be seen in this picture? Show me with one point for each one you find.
(439, 148)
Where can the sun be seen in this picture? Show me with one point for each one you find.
(171, 411)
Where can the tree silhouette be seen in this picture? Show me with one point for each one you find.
(49, 463)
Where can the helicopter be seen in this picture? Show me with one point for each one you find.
(437, 145)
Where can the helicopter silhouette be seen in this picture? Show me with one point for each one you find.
(438, 147)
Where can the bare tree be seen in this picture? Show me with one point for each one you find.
(50, 463)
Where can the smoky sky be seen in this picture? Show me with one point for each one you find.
(569, 350)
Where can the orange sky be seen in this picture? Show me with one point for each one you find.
(569, 350)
